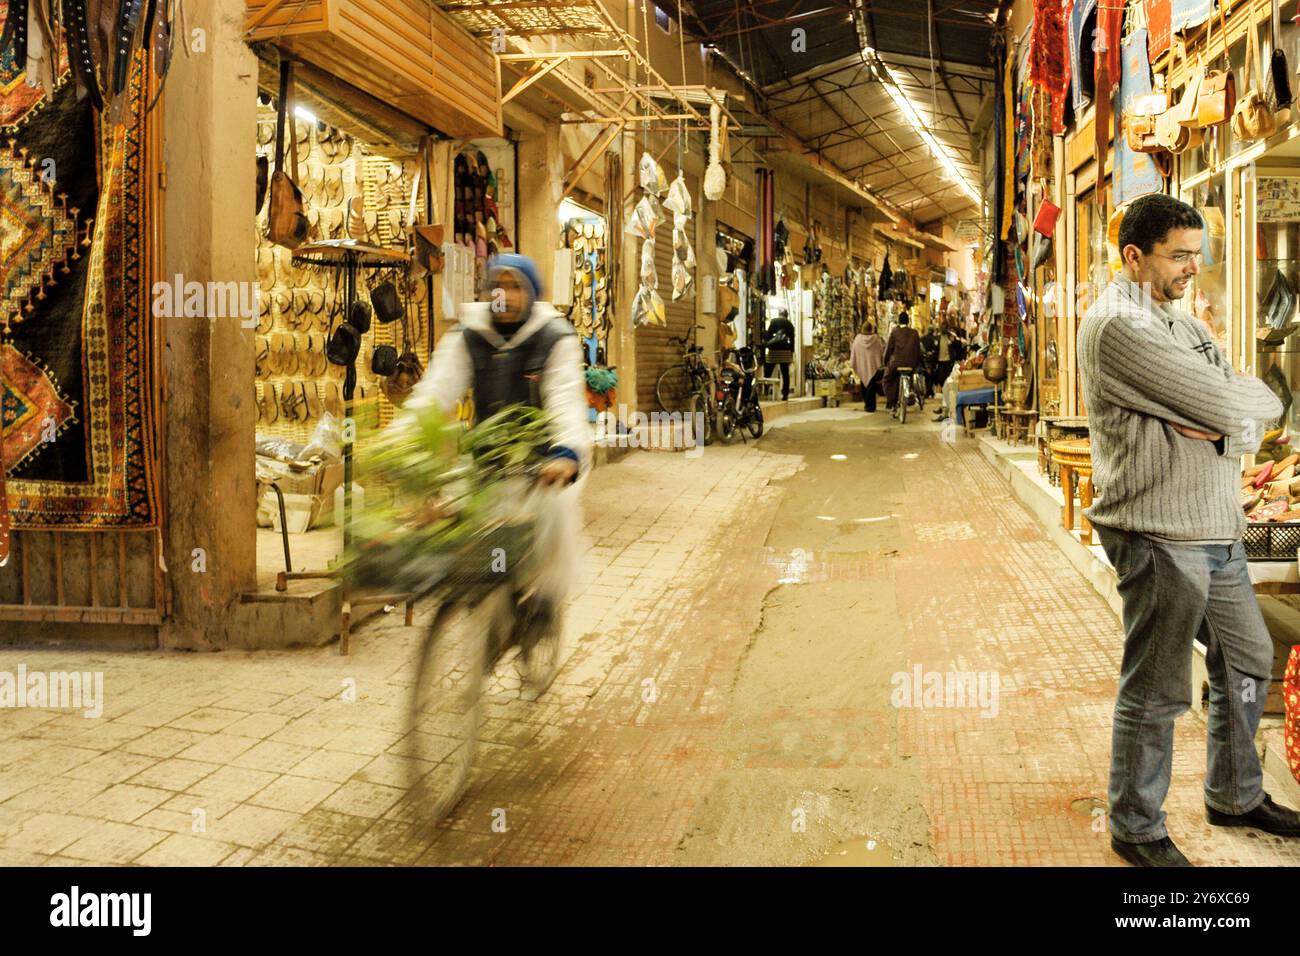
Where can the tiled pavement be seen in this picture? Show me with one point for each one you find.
(257, 758)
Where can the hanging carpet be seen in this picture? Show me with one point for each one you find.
(77, 414)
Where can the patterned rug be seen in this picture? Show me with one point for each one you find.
(77, 417)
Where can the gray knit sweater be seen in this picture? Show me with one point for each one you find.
(1144, 365)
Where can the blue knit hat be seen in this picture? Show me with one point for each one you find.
(521, 264)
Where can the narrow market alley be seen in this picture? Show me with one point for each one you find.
(736, 691)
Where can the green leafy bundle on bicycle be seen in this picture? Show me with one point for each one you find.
(452, 515)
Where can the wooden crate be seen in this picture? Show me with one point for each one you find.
(406, 53)
(972, 379)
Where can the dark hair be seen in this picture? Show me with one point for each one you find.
(903, 318)
(1152, 217)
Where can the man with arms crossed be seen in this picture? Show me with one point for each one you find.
(1169, 421)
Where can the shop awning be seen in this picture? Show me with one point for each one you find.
(893, 236)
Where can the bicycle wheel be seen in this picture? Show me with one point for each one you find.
(445, 713)
(540, 630)
(904, 397)
(701, 418)
(673, 389)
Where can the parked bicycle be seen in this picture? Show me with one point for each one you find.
(910, 392)
(688, 387)
(738, 407)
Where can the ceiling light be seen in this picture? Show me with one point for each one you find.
(303, 114)
(905, 106)
(839, 457)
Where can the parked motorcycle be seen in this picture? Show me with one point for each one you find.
(738, 407)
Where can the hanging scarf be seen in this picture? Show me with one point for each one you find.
(1047, 62)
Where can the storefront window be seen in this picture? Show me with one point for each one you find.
(1209, 298)
(1277, 277)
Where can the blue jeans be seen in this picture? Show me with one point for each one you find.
(1174, 593)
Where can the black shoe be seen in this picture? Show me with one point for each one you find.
(939, 418)
(1268, 816)
(1160, 853)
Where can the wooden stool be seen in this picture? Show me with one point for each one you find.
(1074, 458)
(1057, 427)
(1017, 424)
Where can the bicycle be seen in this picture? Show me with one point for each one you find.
(688, 386)
(503, 610)
(908, 393)
(469, 527)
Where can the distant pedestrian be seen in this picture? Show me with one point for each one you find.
(867, 355)
(779, 343)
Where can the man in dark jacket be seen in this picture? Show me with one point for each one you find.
(780, 349)
(902, 351)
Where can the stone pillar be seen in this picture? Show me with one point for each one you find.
(541, 183)
(210, 419)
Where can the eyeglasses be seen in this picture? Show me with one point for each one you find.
(1183, 258)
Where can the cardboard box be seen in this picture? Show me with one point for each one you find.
(826, 387)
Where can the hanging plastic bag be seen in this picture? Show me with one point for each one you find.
(652, 178)
(679, 197)
(644, 220)
(648, 308)
(681, 278)
(648, 277)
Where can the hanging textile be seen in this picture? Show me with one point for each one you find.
(1135, 174)
(1048, 66)
(1110, 24)
(999, 177)
(1159, 21)
(1008, 146)
(1082, 22)
(77, 417)
(1184, 14)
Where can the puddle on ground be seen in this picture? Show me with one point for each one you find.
(862, 851)
(805, 567)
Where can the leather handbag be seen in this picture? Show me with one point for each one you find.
(384, 361)
(344, 345)
(1277, 66)
(1252, 118)
(1216, 99)
(388, 306)
(1175, 131)
(287, 223)
(1278, 306)
(1140, 122)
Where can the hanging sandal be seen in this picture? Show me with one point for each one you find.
(263, 354)
(333, 399)
(312, 400)
(270, 404)
(290, 402)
